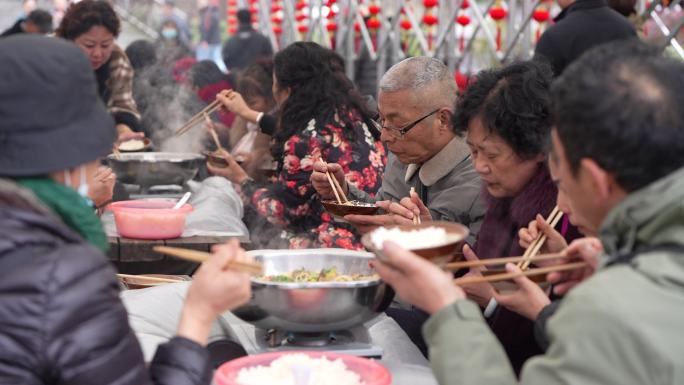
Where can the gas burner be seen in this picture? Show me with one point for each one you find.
(355, 341)
(276, 338)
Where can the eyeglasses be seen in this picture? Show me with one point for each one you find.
(400, 132)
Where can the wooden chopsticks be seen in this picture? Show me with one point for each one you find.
(416, 218)
(253, 268)
(117, 153)
(337, 189)
(527, 273)
(213, 133)
(150, 279)
(537, 244)
(499, 261)
(211, 108)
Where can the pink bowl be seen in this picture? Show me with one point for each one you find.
(149, 219)
(371, 372)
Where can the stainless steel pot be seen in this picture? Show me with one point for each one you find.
(314, 306)
(148, 169)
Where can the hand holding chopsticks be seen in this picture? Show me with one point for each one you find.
(536, 245)
(336, 188)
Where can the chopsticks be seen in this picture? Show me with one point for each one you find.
(213, 133)
(117, 153)
(150, 279)
(527, 273)
(416, 218)
(253, 268)
(535, 246)
(211, 108)
(499, 261)
(336, 187)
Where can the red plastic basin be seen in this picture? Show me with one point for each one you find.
(149, 219)
(371, 372)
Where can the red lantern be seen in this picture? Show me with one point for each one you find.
(331, 14)
(405, 25)
(430, 19)
(301, 17)
(253, 10)
(331, 26)
(374, 9)
(232, 21)
(541, 15)
(497, 13)
(303, 28)
(254, 19)
(463, 20)
(277, 29)
(232, 30)
(232, 3)
(276, 8)
(331, 2)
(357, 27)
(275, 19)
(465, 4)
(373, 23)
(461, 81)
(301, 5)
(253, 1)
(430, 3)
(232, 12)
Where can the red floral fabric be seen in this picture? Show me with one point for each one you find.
(291, 203)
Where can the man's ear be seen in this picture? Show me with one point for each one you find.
(602, 183)
(444, 117)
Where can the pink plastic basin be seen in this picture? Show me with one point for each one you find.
(371, 372)
(149, 219)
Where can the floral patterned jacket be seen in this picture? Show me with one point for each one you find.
(291, 203)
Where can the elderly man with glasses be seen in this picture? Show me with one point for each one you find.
(415, 102)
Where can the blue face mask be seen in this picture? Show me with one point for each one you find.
(83, 187)
(169, 33)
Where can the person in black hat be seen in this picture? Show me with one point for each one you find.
(581, 25)
(246, 46)
(38, 21)
(93, 26)
(61, 319)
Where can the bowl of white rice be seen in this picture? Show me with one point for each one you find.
(438, 241)
(302, 368)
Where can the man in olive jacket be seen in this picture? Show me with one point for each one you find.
(618, 156)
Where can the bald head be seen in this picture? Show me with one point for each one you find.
(428, 79)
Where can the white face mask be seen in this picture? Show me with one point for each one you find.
(83, 187)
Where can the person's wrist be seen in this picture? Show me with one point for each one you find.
(195, 323)
(445, 299)
(249, 114)
(243, 180)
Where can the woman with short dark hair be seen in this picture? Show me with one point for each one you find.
(93, 26)
(506, 119)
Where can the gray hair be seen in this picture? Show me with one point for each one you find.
(418, 73)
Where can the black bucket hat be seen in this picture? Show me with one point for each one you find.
(51, 116)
